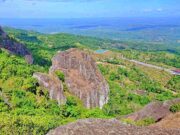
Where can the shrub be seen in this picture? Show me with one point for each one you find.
(145, 122)
(175, 108)
(73, 107)
(104, 70)
(113, 76)
(95, 113)
(60, 75)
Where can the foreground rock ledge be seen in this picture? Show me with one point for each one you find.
(108, 127)
(171, 121)
(82, 77)
(156, 110)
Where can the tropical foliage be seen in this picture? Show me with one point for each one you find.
(25, 108)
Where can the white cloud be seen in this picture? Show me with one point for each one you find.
(159, 9)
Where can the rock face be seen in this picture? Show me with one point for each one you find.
(14, 47)
(107, 127)
(82, 77)
(172, 121)
(156, 110)
(53, 85)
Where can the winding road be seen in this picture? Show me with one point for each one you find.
(153, 66)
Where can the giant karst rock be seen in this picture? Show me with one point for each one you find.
(82, 77)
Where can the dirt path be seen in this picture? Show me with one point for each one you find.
(143, 64)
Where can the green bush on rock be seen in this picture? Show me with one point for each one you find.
(60, 75)
(175, 108)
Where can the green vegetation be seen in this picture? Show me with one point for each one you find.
(160, 58)
(143, 122)
(175, 108)
(174, 84)
(25, 108)
(44, 46)
(139, 38)
(60, 75)
(125, 81)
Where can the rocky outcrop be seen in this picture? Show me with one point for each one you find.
(172, 121)
(107, 127)
(156, 110)
(82, 77)
(53, 85)
(14, 47)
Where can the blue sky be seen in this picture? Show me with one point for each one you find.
(88, 8)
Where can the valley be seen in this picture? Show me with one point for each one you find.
(63, 85)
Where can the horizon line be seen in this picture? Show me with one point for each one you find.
(94, 17)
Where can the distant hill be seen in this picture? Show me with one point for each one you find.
(92, 42)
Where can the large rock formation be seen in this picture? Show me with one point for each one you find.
(53, 85)
(156, 110)
(14, 47)
(108, 127)
(82, 77)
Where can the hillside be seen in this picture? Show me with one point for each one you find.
(25, 107)
(14, 47)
